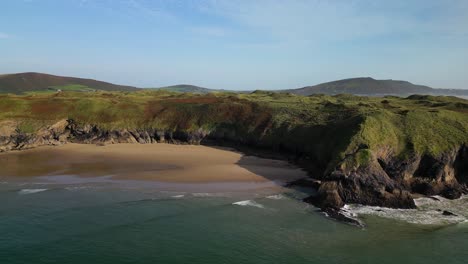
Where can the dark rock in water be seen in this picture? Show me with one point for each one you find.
(327, 197)
(448, 213)
(452, 193)
(465, 190)
(306, 182)
(342, 217)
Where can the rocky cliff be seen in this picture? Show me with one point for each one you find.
(370, 151)
(385, 180)
(390, 181)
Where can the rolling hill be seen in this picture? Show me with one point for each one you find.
(186, 88)
(31, 81)
(19, 83)
(372, 87)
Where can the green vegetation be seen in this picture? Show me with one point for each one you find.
(370, 86)
(323, 127)
(73, 87)
(27, 82)
(186, 88)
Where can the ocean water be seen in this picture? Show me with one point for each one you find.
(107, 222)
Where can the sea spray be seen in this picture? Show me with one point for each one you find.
(30, 191)
(431, 211)
(275, 197)
(248, 203)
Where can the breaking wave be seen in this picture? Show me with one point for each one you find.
(209, 194)
(275, 197)
(31, 191)
(434, 210)
(248, 203)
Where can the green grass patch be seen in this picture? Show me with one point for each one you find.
(73, 87)
(326, 128)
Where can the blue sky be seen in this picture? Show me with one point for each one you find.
(233, 44)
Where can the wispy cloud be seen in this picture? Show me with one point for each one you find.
(156, 10)
(150, 9)
(4, 35)
(267, 43)
(317, 20)
(210, 31)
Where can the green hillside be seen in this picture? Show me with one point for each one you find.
(38, 82)
(186, 88)
(371, 87)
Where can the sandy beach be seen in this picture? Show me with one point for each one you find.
(156, 162)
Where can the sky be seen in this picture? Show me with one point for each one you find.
(236, 44)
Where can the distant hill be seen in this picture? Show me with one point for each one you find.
(370, 86)
(31, 81)
(39, 82)
(187, 88)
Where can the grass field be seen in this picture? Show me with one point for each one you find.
(323, 127)
(74, 87)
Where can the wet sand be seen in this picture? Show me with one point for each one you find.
(154, 162)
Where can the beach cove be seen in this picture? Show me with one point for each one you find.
(128, 203)
(151, 162)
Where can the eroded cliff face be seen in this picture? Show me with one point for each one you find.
(65, 131)
(390, 181)
(383, 180)
(12, 138)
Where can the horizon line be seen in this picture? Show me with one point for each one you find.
(191, 84)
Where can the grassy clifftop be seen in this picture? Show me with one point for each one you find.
(330, 124)
(365, 150)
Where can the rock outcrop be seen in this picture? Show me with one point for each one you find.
(383, 180)
(11, 138)
(389, 181)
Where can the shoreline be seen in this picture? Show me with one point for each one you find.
(149, 162)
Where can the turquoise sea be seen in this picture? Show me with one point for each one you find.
(137, 222)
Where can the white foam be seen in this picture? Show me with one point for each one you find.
(201, 194)
(178, 196)
(248, 203)
(31, 191)
(77, 188)
(348, 212)
(275, 197)
(208, 194)
(428, 201)
(429, 211)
